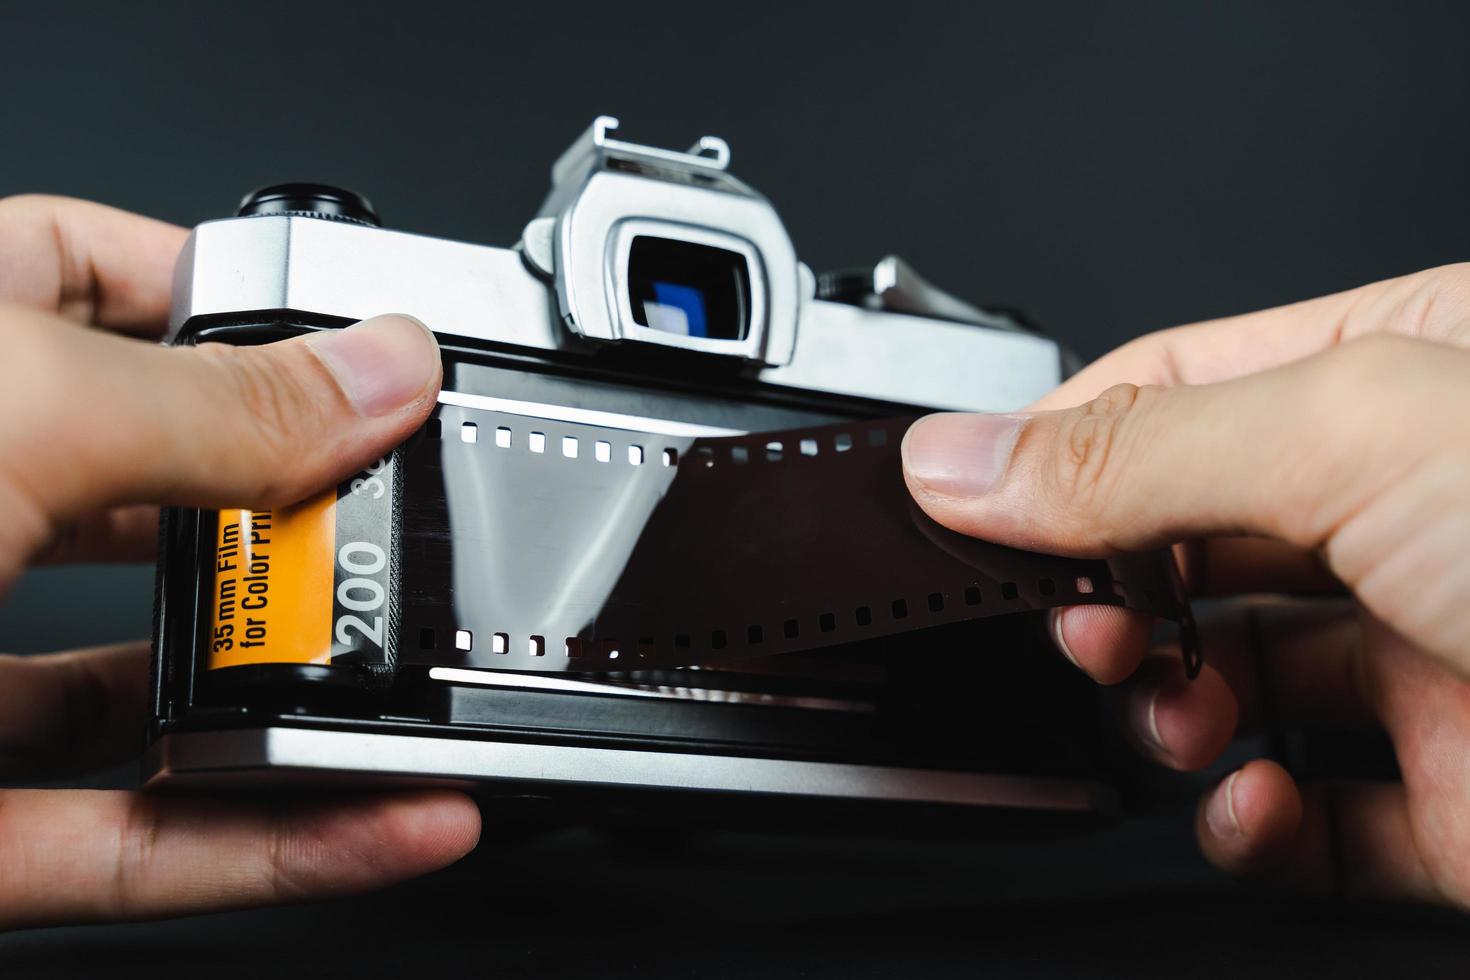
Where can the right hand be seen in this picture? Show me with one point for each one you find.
(1320, 447)
(96, 430)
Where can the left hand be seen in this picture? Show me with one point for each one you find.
(99, 427)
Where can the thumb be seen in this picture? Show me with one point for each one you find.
(211, 426)
(1290, 453)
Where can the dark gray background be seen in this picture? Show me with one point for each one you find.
(1112, 168)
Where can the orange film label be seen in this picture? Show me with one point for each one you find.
(272, 598)
(306, 584)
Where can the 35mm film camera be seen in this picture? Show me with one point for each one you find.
(652, 553)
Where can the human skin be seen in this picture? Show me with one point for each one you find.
(1317, 453)
(99, 428)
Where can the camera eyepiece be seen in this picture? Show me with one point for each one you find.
(657, 246)
(688, 290)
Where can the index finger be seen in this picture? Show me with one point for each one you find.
(88, 262)
(1433, 305)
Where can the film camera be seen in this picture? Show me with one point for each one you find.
(652, 553)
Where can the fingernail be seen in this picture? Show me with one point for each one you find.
(1058, 637)
(381, 364)
(1143, 716)
(960, 455)
(1220, 809)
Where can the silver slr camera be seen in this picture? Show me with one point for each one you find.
(637, 247)
(652, 553)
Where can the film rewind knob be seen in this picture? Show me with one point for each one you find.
(310, 201)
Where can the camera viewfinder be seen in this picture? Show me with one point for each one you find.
(688, 290)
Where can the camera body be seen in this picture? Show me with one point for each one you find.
(656, 296)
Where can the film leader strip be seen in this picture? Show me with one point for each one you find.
(544, 545)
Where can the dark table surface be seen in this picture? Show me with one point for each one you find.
(1133, 902)
(1112, 169)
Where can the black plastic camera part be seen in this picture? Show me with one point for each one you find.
(312, 201)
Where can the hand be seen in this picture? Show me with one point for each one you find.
(97, 429)
(1320, 447)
